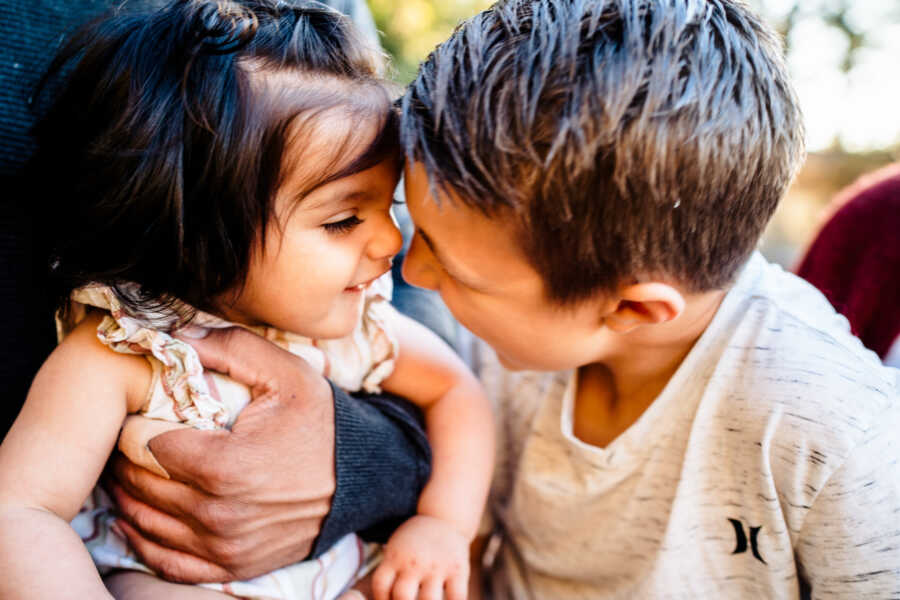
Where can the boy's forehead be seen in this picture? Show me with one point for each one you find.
(464, 238)
(442, 217)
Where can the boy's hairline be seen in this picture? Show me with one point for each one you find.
(456, 195)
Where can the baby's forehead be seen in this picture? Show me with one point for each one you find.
(328, 126)
(264, 76)
(325, 144)
(332, 147)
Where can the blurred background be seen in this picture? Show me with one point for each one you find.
(844, 56)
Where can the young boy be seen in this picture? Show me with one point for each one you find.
(589, 180)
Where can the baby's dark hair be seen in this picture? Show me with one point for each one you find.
(618, 137)
(160, 154)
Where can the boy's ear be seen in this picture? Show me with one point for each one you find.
(644, 304)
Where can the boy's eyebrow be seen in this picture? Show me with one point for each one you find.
(440, 257)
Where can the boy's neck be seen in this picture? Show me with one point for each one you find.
(613, 394)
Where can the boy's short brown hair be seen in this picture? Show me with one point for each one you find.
(627, 137)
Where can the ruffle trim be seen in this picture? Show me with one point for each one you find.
(182, 373)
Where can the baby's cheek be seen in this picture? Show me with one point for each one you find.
(317, 268)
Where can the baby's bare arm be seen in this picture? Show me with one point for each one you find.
(459, 422)
(429, 553)
(134, 585)
(50, 460)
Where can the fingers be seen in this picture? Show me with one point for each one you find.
(177, 516)
(192, 456)
(240, 354)
(388, 584)
(167, 495)
(406, 587)
(172, 564)
(352, 595)
(268, 370)
(153, 524)
(432, 588)
(383, 581)
(458, 587)
(230, 533)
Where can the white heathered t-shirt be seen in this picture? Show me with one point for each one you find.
(768, 463)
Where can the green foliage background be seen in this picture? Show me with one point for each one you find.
(412, 28)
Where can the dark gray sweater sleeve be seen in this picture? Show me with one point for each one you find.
(382, 462)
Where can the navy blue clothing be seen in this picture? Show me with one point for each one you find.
(381, 453)
(382, 461)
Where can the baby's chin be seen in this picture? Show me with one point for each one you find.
(320, 331)
(333, 333)
(331, 327)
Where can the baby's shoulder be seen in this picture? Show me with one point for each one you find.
(81, 352)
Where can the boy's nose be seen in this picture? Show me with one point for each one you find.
(416, 268)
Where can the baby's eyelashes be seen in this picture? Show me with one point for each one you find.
(343, 226)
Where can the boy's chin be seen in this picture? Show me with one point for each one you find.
(532, 363)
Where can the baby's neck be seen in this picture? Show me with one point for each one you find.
(613, 394)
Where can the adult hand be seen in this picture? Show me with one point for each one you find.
(240, 503)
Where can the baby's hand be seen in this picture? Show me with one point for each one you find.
(426, 559)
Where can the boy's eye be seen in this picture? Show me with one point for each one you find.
(342, 226)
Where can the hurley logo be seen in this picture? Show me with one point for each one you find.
(742, 540)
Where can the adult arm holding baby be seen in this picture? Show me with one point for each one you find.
(221, 525)
(221, 521)
(233, 521)
(248, 535)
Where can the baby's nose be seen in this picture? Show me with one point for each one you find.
(387, 241)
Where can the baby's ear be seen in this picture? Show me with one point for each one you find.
(645, 304)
